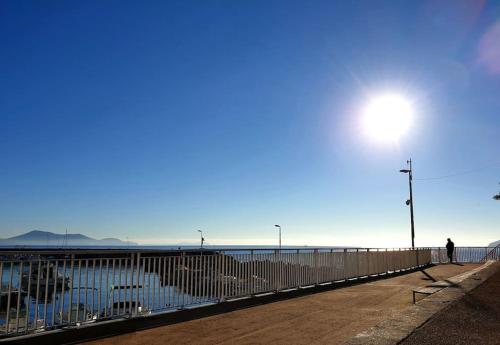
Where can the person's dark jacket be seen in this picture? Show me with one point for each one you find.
(450, 246)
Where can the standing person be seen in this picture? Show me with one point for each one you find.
(450, 247)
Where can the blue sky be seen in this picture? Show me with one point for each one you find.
(152, 119)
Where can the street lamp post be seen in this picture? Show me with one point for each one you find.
(201, 238)
(279, 262)
(410, 201)
(278, 226)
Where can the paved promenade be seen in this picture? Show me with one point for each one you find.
(330, 317)
(474, 319)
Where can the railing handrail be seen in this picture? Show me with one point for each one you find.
(491, 251)
(142, 250)
(465, 254)
(476, 247)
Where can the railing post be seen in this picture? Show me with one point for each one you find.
(223, 277)
(378, 261)
(9, 289)
(401, 260)
(316, 266)
(298, 274)
(386, 263)
(137, 276)
(345, 265)
(1, 281)
(275, 271)
(252, 284)
(368, 261)
(183, 267)
(280, 267)
(357, 263)
(331, 266)
(70, 303)
(18, 306)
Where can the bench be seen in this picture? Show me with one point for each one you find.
(426, 291)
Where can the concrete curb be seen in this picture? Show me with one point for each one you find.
(405, 322)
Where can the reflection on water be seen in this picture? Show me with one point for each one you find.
(46, 293)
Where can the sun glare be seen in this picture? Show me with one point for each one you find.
(387, 118)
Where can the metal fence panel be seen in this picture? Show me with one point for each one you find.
(44, 290)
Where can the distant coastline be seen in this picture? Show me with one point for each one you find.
(38, 238)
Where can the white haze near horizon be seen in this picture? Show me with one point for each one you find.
(376, 238)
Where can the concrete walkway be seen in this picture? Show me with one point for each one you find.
(330, 317)
(474, 319)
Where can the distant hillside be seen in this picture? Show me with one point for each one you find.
(43, 238)
(494, 244)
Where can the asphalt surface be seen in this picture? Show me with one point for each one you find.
(474, 319)
(330, 317)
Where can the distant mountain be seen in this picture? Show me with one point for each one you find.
(494, 244)
(43, 238)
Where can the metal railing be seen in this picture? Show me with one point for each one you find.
(492, 254)
(44, 290)
(466, 254)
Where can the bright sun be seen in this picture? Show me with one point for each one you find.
(387, 118)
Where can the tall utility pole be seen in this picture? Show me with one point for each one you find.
(410, 201)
